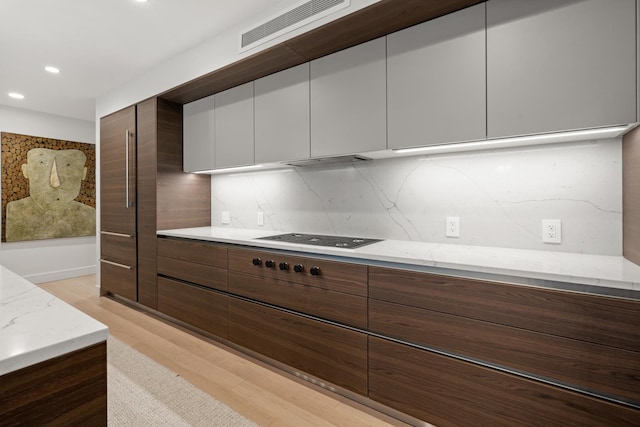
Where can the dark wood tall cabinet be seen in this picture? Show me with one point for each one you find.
(118, 242)
(143, 189)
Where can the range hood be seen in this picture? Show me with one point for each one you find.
(327, 161)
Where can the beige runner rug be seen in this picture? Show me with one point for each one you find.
(142, 392)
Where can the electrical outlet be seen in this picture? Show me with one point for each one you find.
(552, 231)
(225, 217)
(260, 219)
(452, 226)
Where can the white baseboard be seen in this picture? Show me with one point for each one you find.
(61, 274)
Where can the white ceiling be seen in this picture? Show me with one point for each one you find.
(100, 44)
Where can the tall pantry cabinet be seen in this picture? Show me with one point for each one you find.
(143, 189)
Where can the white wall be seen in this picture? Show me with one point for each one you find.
(501, 197)
(202, 59)
(54, 259)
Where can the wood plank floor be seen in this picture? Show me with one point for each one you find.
(261, 393)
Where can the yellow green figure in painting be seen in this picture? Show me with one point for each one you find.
(50, 211)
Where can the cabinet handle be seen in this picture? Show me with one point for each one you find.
(128, 267)
(111, 233)
(126, 171)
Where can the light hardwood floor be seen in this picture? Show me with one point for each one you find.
(266, 396)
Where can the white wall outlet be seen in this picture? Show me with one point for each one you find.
(260, 219)
(552, 231)
(452, 226)
(225, 217)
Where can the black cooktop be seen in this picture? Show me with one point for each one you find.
(321, 240)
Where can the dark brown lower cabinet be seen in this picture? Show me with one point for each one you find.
(204, 309)
(332, 353)
(449, 392)
(68, 390)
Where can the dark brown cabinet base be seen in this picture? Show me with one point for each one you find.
(196, 306)
(449, 392)
(330, 352)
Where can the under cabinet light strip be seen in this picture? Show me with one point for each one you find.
(229, 170)
(549, 138)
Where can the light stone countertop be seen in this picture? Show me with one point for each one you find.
(36, 326)
(606, 275)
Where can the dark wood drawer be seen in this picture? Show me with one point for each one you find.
(601, 369)
(449, 392)
(326, 351)
(198, 307)
(211, 277)
(118, 248)
(119, 279)
(336, 306)
(198, 252)
(603, 320)
(334, 276)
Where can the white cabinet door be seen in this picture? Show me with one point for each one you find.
(560, 64)
(282, 115)
(437, 81)
(348, 101)
(234, 127)
(199, 135)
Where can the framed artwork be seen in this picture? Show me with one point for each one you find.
(48, 188)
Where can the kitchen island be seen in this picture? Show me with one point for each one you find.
(53, 365)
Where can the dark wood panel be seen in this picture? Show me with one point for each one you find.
(363, 25)
(115, 215)
(183, 200)
(118, 248)
(198, 307)
(211, 277)
(339, 307)
(326, 351)
(211, 254)
(608, 321)
(449, 392)
(119, 281)
(335, 276)
(602, 369)
(70, 390)
(147, 170)
(631, 195)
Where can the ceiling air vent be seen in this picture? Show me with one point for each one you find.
(296, 17)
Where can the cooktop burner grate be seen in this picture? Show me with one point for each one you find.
(322, 240)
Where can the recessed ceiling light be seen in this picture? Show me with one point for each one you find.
(52, 70)
(16, 95)
(141, 1)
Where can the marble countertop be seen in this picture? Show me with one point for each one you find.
(36, 326)
(608, 275)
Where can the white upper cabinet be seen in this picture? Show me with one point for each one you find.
(560, 64)
(348, 101)
(234, 129)
(282, 116)
(437, 81)
(199, 135)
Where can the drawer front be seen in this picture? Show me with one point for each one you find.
(119, 279)
(601, 369)
(608, 321)
(339, 307)
(334, 276)
(326, 351)
(197, 252)
(118, 248)
(449, 392)
(211, 277)
(198, 307)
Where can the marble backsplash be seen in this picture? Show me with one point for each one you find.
(501, 197)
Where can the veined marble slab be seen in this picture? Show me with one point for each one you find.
(609, 275)
(36, 326)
